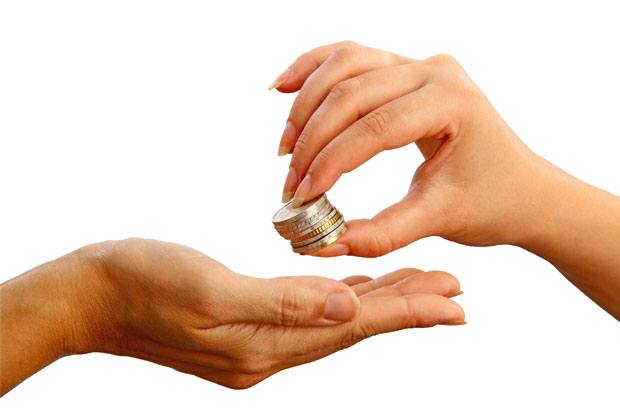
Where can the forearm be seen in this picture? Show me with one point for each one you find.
(41, 318)
(580, 236)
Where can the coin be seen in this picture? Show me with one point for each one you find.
(308, 225)
(302, 225)
(323, 242)
(323, 230)
(288, 214)
(311, 226)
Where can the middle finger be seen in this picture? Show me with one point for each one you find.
(345, 103)
(342, 64)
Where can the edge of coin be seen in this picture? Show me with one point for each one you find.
(318, 245)
(310, 210)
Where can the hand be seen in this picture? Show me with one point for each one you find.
(479, 185)
(177, 307)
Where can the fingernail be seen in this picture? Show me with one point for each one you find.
(289, 185)
(288, 138)
(456, 323)
(460, 292)
(279, 81)
(335, 249)
(302, 192)
(340, 306)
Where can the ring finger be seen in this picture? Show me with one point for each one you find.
(346, 102)
(349, 60)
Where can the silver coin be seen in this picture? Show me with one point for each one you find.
(324, 242)
(311, 226)
(319, 236)
(317, 233)
(313, 223)
(289, 214)
(321, 225)
(304, 224)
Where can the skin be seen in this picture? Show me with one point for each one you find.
(479, 184)
(175, 306)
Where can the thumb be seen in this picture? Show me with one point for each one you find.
(291, 301)
(400, 224)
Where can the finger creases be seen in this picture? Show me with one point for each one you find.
(355, 280)
(402, 121)
(408, 281)
(296, 74)
(349, 100)
(288, 301)
(318, 72)
(381, 314)
(388, 279)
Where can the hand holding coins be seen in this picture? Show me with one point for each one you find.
(311, 226)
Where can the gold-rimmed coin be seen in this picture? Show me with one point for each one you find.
(311, 226)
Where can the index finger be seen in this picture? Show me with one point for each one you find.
(402, 121)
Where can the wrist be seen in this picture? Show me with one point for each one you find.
(553, 198)
(577, 230)
(48, 312)
(68, 297)
(72, 299)
(86, 299)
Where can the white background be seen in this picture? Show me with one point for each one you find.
(127, 118)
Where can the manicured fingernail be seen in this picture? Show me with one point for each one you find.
(340, 306)
(289, 185)
(335, 249)
(302, 192)
(288, 138)
(456, 323)
(279, 81)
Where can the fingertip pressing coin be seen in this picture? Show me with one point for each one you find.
(311, 226)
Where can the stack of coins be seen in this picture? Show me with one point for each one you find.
(311, 226)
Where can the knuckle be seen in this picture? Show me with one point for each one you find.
(376, 123)
(381, 244)
(320, 165)
(345, 53)
(375, 249)
(345, 90)
(443, 60)
(452, 78)
(364, 331)
(326, 169)
(349, 43)
(289, 308)
(301, 147)
(353, 336)
(463, 94)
